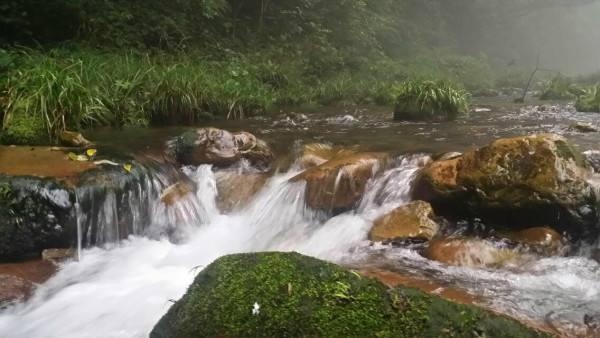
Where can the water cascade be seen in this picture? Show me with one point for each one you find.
(122, 290)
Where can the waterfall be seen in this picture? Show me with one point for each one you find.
(123, 290)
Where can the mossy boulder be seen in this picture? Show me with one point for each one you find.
(219, 147)
(340, 183)
(519, 182)
(414, 221)
(299, 296)
(35, 214)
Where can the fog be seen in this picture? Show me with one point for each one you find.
(565, 34)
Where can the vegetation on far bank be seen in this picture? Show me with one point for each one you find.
(71, 64)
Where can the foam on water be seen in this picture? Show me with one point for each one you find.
(122, 290)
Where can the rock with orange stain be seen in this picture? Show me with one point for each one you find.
(412, 221)
(315, 154)
(520, 181)
(44, 162)
(546, 239)
(340, 183)
(19, 280)
(394, 279)
(472, 252)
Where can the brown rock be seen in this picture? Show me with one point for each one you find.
(315, 154)
(14, 289)
(411, 221)
(18, 280)
(74, 139)
(517, 181)
(340, 183)
(40, 162)
(543, 238)
(176, 192)
(57, 255)
(219, 147)
(235, 190)
(472, 252)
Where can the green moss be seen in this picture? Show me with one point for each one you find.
(23, 129)
(301, 296)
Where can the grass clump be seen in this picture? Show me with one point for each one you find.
(560, 88)
(300, 296)
(589, 101)
(430, 100)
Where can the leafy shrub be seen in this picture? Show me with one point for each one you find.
(590, 100)
(429, 100)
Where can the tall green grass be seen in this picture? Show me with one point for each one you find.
(430, 100)
(589, 101)
(75, 91)
(81, 88)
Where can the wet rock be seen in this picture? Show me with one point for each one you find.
(236, 190)
(543, 239)
(35, 214)
(340, 183)
(593, 323)
(219, 147)
(473, 252)
(74, 139)
(177, 191)
(446, 156)
(41, 162)
(18, 280)
(14, 290)
(521, 181)
(583, 127)
(315, 154)
(412, 221)
(290, 295)
(58, 255)
(593, 158)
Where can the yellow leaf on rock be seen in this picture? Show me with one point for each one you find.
(127, 167)
(91, 152)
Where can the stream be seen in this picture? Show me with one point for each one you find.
(121, 289)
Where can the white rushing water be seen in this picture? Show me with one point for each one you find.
(123, 290)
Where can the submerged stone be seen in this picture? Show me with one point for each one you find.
(290, 295)
(412, 221)
(340, 183)
(520, 182)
